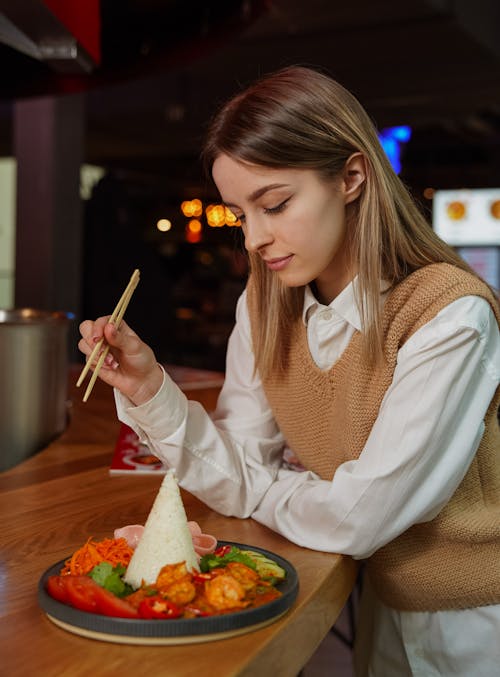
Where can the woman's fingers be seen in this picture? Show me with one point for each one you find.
(93, 342)
(93, 332)
(118, 336)
(130, 365)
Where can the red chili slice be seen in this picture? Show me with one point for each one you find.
(222, 550)
(199, 578)
(158, 607)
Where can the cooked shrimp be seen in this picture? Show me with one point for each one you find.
(248, 578)
(171, 573)
(180, 592)
(224, 592)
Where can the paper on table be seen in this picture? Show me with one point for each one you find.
(131, 456)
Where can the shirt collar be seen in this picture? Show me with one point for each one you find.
(344, 305)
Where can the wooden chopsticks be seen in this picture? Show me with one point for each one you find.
(115, 319)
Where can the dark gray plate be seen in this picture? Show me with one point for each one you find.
(132, 630)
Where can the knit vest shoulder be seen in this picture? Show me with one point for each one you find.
(453, 561)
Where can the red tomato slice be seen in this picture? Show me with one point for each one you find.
(111, 605)
(56, 587)
(83, 593)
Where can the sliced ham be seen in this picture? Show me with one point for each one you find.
(131, 533)
(203, 543)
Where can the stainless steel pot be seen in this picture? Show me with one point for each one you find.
(33, 381)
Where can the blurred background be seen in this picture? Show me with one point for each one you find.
(104, 105)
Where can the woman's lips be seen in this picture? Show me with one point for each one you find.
(279, 263)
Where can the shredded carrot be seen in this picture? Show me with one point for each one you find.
(112, 550)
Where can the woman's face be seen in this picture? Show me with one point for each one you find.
(293, 219)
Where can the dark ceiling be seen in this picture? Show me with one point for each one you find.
(433, 64)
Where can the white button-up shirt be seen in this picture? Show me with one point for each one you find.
(427, 432)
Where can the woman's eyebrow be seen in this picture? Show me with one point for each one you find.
(258, 193)
(264, 189)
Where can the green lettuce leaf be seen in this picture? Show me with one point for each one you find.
(212, 561)
(110, 578)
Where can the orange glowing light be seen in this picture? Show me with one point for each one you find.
(192, 208)
(216, 215)
(230, 218)
(193, 231)
(193, 238)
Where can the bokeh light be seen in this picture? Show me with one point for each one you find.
(193, 231)
(192, 208)
(164, 225)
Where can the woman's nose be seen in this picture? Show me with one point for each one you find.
(257, 235)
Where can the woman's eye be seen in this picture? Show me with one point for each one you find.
(279, 208)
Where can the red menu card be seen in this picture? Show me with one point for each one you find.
(131, 456)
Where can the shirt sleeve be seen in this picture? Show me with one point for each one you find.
(228, 459)
(428, 429)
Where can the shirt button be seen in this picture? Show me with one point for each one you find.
(327, 315)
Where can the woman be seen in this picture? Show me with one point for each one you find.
(367, 348)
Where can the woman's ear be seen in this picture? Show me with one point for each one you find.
(354, 176)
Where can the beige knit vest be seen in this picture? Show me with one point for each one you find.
(452, 561)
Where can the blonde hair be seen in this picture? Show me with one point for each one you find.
(301, 118)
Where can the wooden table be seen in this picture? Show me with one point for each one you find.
(52, 502)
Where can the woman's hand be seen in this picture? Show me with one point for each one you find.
(130, 365)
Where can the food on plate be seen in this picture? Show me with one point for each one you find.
(164, 570)
(202, 543)
(225, 592)
(267, 568)
(85, 594)
(131, 533)
(158, 607)
(226, 585)
(166, 538)
(112, 550)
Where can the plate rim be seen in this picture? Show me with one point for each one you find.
(182, 628)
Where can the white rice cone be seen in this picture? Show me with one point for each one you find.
(166, 538)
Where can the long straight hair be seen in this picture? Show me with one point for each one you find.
(300, 118)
